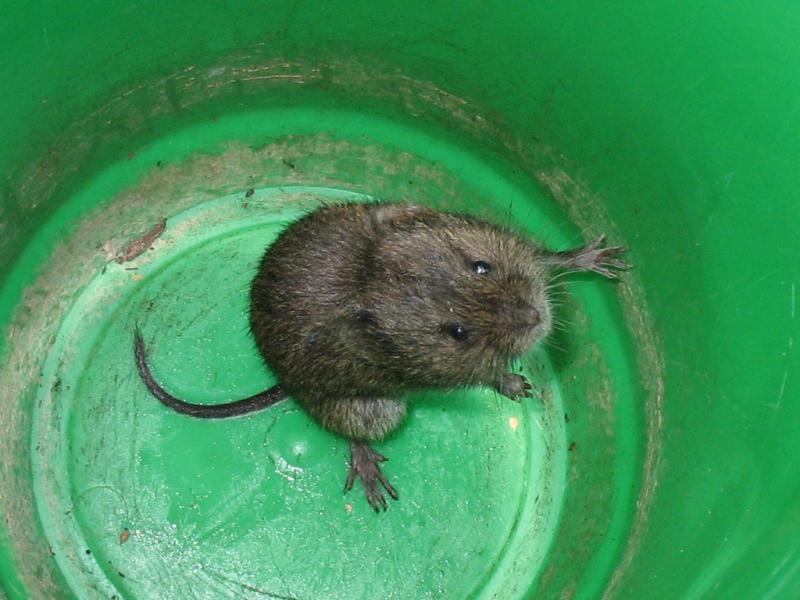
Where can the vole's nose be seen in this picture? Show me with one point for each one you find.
(531, 317)
(525, 316)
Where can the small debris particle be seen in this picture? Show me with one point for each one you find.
(108, 248)
(249, 192)
(566, 418)
(159, 163)
(348, 508)
(124, 535)
(513, 422)
(141, 244)
(288, 163)
(572, 446)
(121, 574)
(88, 552)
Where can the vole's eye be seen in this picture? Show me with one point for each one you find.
(457, 332)
(481, 267)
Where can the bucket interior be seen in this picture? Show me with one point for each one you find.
(149, 160)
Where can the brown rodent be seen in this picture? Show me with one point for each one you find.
(355, 305)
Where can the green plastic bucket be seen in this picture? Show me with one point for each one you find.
(659, 462)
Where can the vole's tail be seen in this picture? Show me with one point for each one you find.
(203, 411)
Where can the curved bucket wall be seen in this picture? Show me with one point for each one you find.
(150, 154)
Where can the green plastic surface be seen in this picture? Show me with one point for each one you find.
(659, 462)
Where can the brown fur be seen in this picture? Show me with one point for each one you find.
(353, 303)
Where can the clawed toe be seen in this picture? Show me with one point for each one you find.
(364, 464)
(593, 257)
(515, 387)
(603, 261)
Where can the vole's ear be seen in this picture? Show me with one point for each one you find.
(397, 214)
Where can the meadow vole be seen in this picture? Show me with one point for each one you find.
(355, 305)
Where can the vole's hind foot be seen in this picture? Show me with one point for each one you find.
(515, 387)
(364, 465)
(594, 257)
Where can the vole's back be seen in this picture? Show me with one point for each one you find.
(305, 298)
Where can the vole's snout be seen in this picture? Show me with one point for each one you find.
(521, 315)
(527, 315)
(527, 321)
(531, 318)
(526, 312)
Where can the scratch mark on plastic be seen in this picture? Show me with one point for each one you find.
(788, 353)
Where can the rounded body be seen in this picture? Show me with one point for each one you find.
(356, 304)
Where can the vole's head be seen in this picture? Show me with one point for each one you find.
(450, 299)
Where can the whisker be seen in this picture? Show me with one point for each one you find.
(557, 293)
(558, 276)
(551, 344)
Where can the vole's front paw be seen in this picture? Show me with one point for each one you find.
(364, 465)
(514, 386)
(600, 259)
